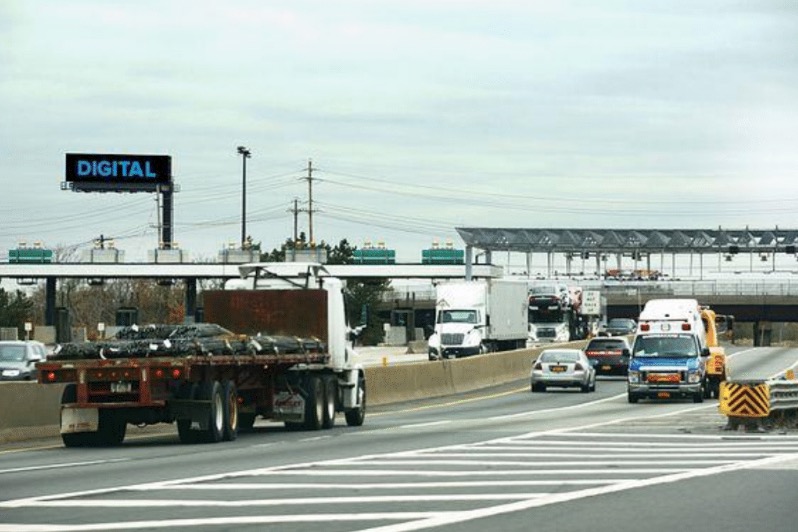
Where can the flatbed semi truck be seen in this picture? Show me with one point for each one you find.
(288, 361)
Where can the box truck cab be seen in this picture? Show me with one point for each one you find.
(669, 352)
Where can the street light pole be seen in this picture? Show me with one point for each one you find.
(245, 154)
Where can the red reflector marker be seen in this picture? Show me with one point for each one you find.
(644, 326)
(685, 326)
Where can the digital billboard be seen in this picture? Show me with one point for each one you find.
(112, 171)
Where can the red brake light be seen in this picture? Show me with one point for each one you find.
(159, 373)
(645, 326)
(176, 373)
(51, 376)
(686, 326)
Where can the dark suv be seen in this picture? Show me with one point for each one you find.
(609, 355)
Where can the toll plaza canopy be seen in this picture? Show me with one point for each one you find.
(625, 241)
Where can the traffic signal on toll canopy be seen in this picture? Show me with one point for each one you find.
(734, 250)
(790, 250)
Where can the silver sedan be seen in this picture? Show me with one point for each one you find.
(563, 368)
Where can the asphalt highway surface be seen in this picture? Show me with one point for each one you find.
(499, 459)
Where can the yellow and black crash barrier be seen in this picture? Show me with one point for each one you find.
(744, 400)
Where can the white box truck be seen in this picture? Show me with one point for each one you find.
(480, 316)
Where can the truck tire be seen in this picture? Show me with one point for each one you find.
(698, 397)
(330, 395)
(356, 416)
(231, 418)
(713, 388)
(633, 398)
(314, 403)
(213, 392)
(75, 439)
(112, 428)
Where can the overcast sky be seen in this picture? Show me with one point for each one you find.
(420, 116)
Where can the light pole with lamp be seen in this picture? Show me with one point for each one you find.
(245, 154)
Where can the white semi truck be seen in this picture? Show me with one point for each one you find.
(479, 316)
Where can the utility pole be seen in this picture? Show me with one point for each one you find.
(245, 154)
(310, 203)
(295, 211)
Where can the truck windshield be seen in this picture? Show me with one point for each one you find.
(458, 316)
(676, 345)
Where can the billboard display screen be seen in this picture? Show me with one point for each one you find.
(114, 169)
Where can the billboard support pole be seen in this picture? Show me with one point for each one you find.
(168, 210)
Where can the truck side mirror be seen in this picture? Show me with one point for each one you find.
(705, 352)
(624, 352)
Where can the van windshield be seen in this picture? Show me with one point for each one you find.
(675, 345)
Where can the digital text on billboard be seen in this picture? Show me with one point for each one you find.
(122, 169)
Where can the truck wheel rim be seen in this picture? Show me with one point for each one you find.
(218, 412)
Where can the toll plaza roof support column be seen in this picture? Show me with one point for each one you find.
(191, 299)
(49, 301)
(469, 270)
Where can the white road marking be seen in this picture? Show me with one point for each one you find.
(430, 424)
(60, 466)
(497, 473)
(558, 409)
(219, 521)
(248, 486)
(315, 438)
(638, 453)
(437, 521)
(527, 463)
(166, 503)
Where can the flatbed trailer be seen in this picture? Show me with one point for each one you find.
(213, 386)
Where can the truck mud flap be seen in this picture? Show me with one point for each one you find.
(74, 420)
(289, 407)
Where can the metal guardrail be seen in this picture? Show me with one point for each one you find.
(754, 402)
(783, 395)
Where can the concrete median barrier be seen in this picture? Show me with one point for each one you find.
(30, 410)
(391, 384)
